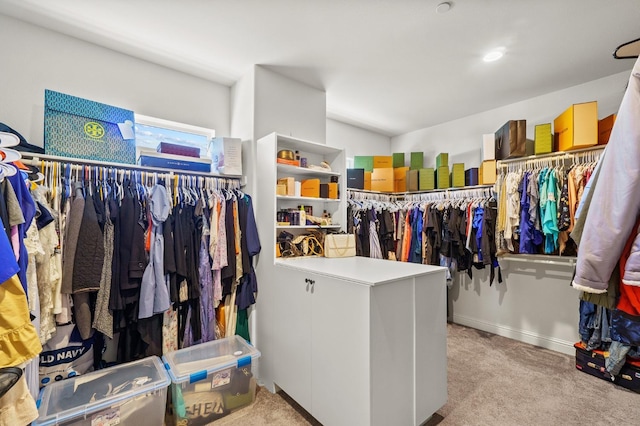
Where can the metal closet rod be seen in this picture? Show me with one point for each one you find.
(552, 156)
(427, 191)
(36, 159)
(540, 259)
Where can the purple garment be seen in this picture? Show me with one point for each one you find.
(526, 227)
(207, 311)
(478, 217)
(28, 207)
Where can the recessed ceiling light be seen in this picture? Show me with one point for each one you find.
(444, 7)
(494, 55)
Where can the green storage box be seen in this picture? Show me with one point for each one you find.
(427, 179)
(543, 142)
(442, 160)
(442, 177)
(398, 159)
(363, 162)
(457, 175)
(417, 160)
(412, 180)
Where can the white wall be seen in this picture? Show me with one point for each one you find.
(356, 140)
(535, 304)
(462, 138)
(35, 59)
(288, 107)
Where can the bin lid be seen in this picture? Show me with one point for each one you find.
(196, 362)
(90, 393)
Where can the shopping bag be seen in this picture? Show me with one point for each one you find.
(340, 245)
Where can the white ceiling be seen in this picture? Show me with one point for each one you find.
(393, 66)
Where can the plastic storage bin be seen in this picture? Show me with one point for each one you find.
(211, 380)
(129, 394)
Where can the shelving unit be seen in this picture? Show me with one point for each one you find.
(270, 171)
(389, 365)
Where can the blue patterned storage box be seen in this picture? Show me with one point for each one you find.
(77, 127)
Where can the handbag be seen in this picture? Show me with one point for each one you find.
(340, 245)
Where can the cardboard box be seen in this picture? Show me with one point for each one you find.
(604, 129)
(543, 139)
(289, 184)
(363, 162)
(281, 189)
(80, 128)
(487, 172)
(488, 151)
(329, 190)
(442, 177)
(382, 180)
(457, 175)
(398, 159)
(413, 180)
(226, 154)
(94, 399)
(210, 380)
(310, 188)
(367, 181)
(427, 180)
(355, 178)
(471, 176)
(442, 159)
(382, 162)
(577, 127)
(511, 140)
(400, 179)
(417, 160)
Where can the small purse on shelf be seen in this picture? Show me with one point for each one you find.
(339, 245)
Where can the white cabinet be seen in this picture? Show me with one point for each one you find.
(361, 341)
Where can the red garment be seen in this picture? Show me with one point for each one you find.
(629, 294)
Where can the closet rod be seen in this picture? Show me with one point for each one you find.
(34, 159)
(540, 259)
(428, 191)
(551, 156)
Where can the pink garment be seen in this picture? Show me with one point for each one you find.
(15, 241)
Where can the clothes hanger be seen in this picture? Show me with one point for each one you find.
(628, 50)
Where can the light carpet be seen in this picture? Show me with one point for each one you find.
(492, 380)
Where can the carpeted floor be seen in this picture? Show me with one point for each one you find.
(492, 380)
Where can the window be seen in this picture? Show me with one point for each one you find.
(151, 131)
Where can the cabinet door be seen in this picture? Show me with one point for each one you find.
(292, 329)
(340, 352)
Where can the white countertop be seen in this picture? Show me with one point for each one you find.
(358, 269)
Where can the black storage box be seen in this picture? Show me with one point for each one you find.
(471, 176)
(593, 362)
(355, 178)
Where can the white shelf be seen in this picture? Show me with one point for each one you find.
(311, 199)
(304, 171)
(307, 226)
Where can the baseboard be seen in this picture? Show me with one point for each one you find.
(525, 336)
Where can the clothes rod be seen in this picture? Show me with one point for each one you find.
(552, 156)
(35, 159)
(543, 260)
